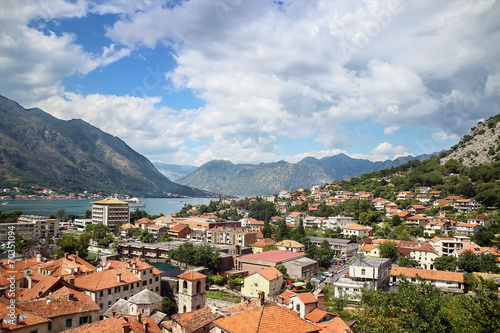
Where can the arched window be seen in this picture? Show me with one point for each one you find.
(198, 287)
(184, 284)
(184, 309)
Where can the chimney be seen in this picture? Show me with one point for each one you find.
(145, 326)
(39, 257)
(66, 255)
(76, 256)
(321, 302)
(113, 313)
(49, 301)
(56, 256)
(119, 277)
(71, 297)
(126, 328)
(16, 320)
(71, 281)
(262, 297)
(138, 315)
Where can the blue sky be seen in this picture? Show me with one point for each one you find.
(187, 82)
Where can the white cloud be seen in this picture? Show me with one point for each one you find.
(384, 151)
(391, 129)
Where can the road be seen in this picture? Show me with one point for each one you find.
(341, 270)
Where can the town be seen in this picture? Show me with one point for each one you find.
(290, 256)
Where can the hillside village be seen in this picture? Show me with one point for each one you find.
(293, 256)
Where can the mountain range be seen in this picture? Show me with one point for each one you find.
(39, 149)
(174, 171)
(269, 178)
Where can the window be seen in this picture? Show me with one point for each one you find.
(101, 293)
(69, 322)
(50, 325)
(125, 287)
(363, 271)
(101, 305)
(109, 304)
(156, 279)
(151, 271)
(109, 291)
(144, 283)
(157, 289)
(137, 284)
(150, 281)
(132, 286)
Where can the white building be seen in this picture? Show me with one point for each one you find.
(334, 222)
(110, 212)
(81, 224)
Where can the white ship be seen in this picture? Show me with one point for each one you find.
(135, 203)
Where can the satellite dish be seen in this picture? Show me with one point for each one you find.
(22, 316)
(8, 321)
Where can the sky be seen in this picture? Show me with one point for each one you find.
(187, 82)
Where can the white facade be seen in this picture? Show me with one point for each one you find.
(334, 222)
(81, 224)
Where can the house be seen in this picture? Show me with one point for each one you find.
(267, 318)
(179, 231)
(345, 287)
(441, 228)
(341, 247)
(482, 220)
(334, 222)
(446, 281)
(12, 273)
(436, 194)
(405, 195)
(356, 230)
(121, 324)
(370, 250)
(295, 217)
(144, 223)
(453, 198)
(477, 250)
(230, 236)
(304, 303)
(424, 198)
(425, 254)
(301, 268)
(314, 222)
(262, 245)
(375, 271)
(269, 280)
(284, 194)
(441, 203)
(157, 230)
(14, 321)
(446, 246)
(290, 245)
(127, 229)
(66, 308)
(119, 279)
(146, 302)
(466, 229)
(415, 209)
(199, 321)
(423, 189)
(416, 221)
(466, 205)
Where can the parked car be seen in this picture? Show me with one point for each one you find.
(328, 274)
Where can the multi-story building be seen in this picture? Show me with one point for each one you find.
(157, 230)
(483, 220)
(269, 280)
(466, 205)
(376, 271)
(230, 236)
(110, 212)
(356, 230)
(118, 279)
(466, 229)
(81, 224)
(425, 254)
(31, 226)
(342, 247)
(334, 222)
(446, 246)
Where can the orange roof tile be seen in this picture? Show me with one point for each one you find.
(336, 325)
(115, 325)
(106, 279)
(266, 319)
(270, 273)
(356, 226)
(307, 298)
(368, 247)
(193, 321)
(428, 274)
(191, 276)
(286, 296)
(32, 319)
(317, 315)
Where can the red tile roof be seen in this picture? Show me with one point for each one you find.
(317, 315)
(193, 321)
(270, 273)
(263, 243)
(428, 274)
(106, 279)
(32, 319)
(191, 276)
(266, 319)
(115, 325)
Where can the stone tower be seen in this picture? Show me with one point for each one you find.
(191, 291)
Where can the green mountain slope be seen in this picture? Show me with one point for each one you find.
(39, 149)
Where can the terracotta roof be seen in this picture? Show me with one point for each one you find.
(295, 214)
(270, 273)
(317, 315)
(286, 296)
(191, 276)
(192, 321)
(115, 325)
(42, 288)
(336, 325)
(32, 319)
(426, 247)
(7, 269)
(178, 227)
(266, 319)
(418, 217)
(307, 298)
(143, 221)
(356, 226)
(67, 266)
(111, 202)
(106, 279)
(428, 274)
(368, 247)
(289, 243)
(61, 303)
(263, 243)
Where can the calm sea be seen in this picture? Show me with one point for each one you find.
(154, 206)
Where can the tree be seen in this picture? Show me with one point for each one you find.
(146, 237)
(98, 231)
(408, 262)
(396, 220)
(71, 244)
(300, 233)
(282, 269)
(447, 263)
(60, 214)
(164, 237)
(266, 230)
(168, 306)
(389, 250)
(282, 231)
(217, 279)
(469, 262)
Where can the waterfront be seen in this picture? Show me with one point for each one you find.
(154, 206)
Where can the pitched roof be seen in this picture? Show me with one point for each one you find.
(289, 243)
(192, 321)
(356, 226)
(32, 318)
(426, 247)
(336, 325)
(286, 296)
(368, 247)
(270, 273)
(115, 325)
(266, 319)
(307, 298)
(178, 227)
(146, 296)
(111, 202)
(191, 276)
(263, 243)
(43, 287)
(317, 315)
(428, 274)
(62, 302)
(106, 279)
(65, 266)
